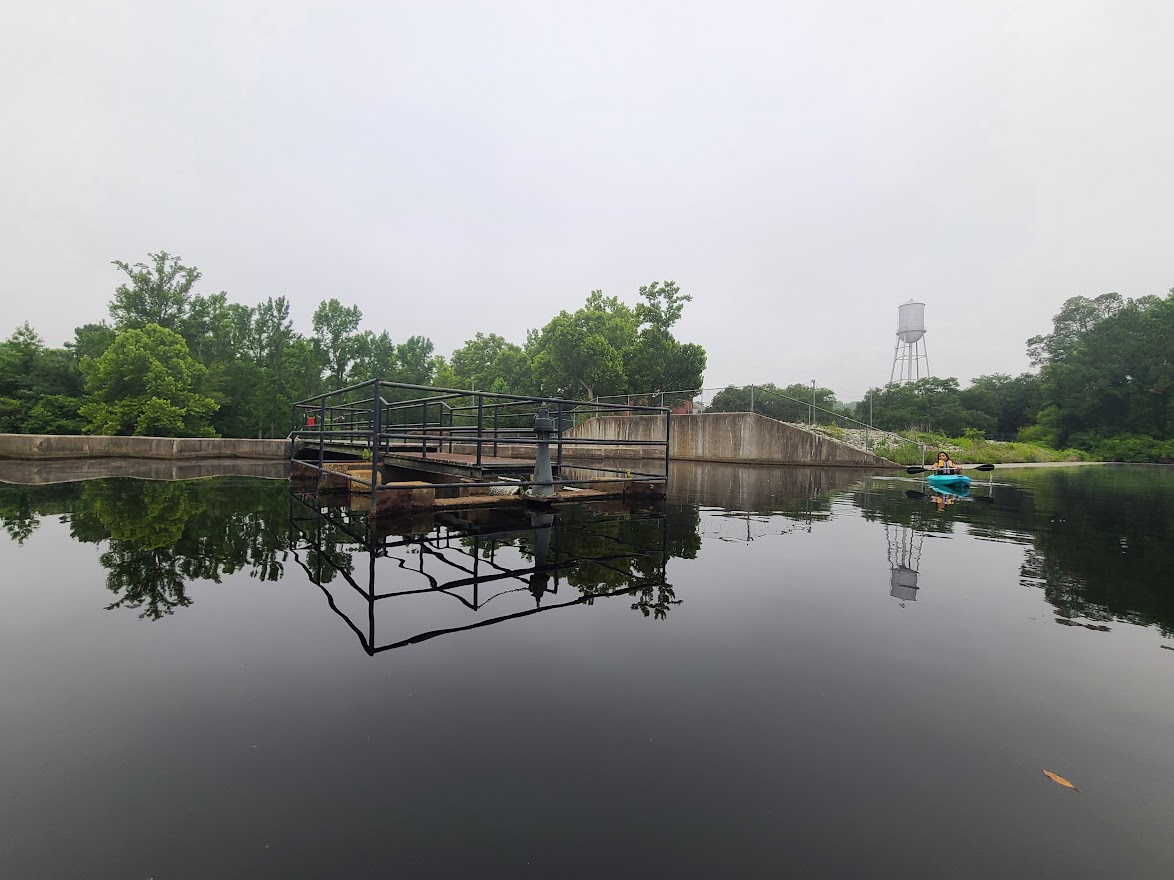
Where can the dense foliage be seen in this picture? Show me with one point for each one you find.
(176, 362)
(147, 383)
(172, 361)
(1105, 385)
(1107, 376)
(792, 403)
(996, 404)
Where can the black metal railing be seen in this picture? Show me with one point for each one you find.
(481, 431)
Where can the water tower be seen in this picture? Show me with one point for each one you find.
(909, 356)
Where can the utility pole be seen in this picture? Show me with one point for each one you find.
(751, 398)
(813, 403)
(868, 427)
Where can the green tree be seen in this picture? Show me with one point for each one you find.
(90, 340)
(581, 353)
(662, 306)
(147, 383)
(335, 327)
(40, 388)
(417, 364)
(1106, 371)
(658, 362)
(1076, 317)
(215, 330)
(285, 364)
(19, 356)
(54, 414)
(930, 404)
(1011, 401)
(158, 293)
(490, 363)
(791, 403)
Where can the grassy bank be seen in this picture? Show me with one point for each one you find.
(970, 450)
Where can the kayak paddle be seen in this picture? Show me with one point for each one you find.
(921, 470)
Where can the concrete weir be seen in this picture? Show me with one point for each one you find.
(732, 438)
(47, 447)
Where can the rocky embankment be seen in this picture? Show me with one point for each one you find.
(857, 438)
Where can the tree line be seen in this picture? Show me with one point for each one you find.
(171, 361)
(1104, 384)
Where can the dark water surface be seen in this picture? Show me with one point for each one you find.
(780, 673)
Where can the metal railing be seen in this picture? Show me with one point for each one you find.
(483, 432)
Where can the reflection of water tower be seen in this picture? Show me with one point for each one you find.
(910, 351)
(904, 561)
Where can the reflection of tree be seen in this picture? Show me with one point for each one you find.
(16, 514)
(147, 578)
(22, 507)
(1098, 537)
(164, 534)
(655, 600)
(1068, 594)
(327, 543)
(601, 554)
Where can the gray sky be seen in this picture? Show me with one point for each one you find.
(800, 168)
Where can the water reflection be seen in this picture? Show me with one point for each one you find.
(772, 490)
(1095, 540)
(904, 561)
(159, 536)
(484, 567)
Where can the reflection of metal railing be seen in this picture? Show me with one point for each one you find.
(468, 562)
(478, 429)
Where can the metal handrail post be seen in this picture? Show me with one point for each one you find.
(377, 419)
(481, 426)
(559, 460)
(668, 427)
(496, 412)
(321, 438)
(424, 431)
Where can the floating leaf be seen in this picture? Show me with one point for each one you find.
(1060, 780)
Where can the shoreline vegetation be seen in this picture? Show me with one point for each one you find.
(172, 362)
(923, 450)
(1103, 390)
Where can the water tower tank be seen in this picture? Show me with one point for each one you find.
(911, 323)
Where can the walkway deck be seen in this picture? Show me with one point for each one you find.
(458, 464)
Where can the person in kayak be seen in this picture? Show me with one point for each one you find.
(944, 465)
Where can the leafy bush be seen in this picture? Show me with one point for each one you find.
(1130, 447)
(968, 451)
(1038, 434)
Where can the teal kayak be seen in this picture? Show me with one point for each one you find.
(952, 482)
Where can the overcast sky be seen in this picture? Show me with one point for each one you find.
(800, 168)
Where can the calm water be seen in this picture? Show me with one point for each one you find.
(780, 673)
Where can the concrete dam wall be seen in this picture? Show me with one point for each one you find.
(736, 438)
(45, 447)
